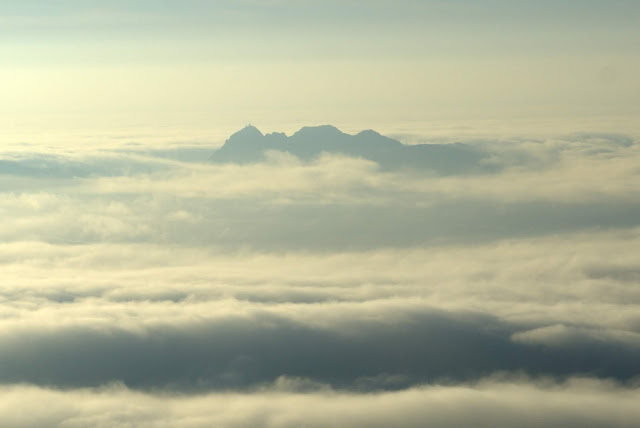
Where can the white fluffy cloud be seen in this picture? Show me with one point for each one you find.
(495, 403)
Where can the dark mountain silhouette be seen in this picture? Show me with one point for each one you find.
(249, 146)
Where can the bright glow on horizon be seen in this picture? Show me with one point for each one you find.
(336, 62)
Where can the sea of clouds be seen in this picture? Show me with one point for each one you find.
(144, 285)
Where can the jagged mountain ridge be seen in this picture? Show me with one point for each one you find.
(249, 146)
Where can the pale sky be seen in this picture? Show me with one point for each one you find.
(201, 64)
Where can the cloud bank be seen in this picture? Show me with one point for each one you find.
(149, 286)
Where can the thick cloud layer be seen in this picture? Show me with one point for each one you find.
(491, 403)
(328, 281)
(258, 345)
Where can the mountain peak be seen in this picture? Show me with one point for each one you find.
(249, 145)
(368, 132)
(248, 131)
(318, 131)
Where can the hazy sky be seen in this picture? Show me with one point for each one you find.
(195, 63)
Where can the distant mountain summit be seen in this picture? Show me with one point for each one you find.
(249, 146)
(248, 132)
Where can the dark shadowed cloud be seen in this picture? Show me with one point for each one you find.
(399, 350)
